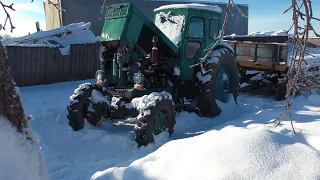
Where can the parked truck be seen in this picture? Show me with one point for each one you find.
(148, 69)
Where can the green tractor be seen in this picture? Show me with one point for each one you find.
(147, 69)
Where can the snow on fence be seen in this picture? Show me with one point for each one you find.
(44, 65)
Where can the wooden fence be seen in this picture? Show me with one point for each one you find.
(44, 65)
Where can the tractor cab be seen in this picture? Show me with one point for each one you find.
(191, 27)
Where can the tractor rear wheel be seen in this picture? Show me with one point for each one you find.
(219, 82)
(155, 120)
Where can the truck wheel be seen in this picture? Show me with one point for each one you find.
(220, 80)
(77, 109)
(155, 120)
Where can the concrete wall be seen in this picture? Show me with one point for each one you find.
(89, 11)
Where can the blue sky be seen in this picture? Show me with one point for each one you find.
(264, 15)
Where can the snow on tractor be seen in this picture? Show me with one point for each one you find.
(146, 69)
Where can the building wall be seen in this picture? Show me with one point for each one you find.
(53, 16)
(89, 11)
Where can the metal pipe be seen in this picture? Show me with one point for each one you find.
(154, 52)
(115, 67)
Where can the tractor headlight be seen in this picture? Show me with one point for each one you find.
(100, 76)
(138, 78)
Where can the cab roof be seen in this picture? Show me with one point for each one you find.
(212, 8)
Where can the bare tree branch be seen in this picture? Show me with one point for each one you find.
(104, 5)
(8, 17)
(57, 6)
(297, 80)
(10, 7)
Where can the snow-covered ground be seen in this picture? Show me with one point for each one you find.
(236, 145)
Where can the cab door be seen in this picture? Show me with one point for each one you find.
(194, 39)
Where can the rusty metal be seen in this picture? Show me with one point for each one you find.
(261, 56)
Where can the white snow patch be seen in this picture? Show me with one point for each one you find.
(176, 71)
(146, 101)
(257, 77)
(191, 6)
(312, 57)
(19, 158)
(63, 37)
(203, 78)
(270, 33)
(172, 25)
(219, 52)
(213, 60)
(264, 33)
(97, 97)
(79, 90)
(226, 154)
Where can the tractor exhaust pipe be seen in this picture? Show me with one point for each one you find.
(154, 52)
(115, 66)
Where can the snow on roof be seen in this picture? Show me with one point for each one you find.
(74, 27)
(63, 37)
(191, 6)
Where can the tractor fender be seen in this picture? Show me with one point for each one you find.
(220, 44)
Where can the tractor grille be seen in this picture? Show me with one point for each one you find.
(117, 10)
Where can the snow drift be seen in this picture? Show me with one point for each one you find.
(231, 153)
(244, 148)
(110, 152)
(20, 159)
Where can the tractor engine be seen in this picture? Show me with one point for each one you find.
(132, 67)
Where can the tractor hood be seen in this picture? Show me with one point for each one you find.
(125, 22)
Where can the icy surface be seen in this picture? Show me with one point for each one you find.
(171, 26)
(193, 5)
(63, 37)
(19, 158)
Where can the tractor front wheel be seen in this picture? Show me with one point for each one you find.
(85, 106)
(155, 119)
